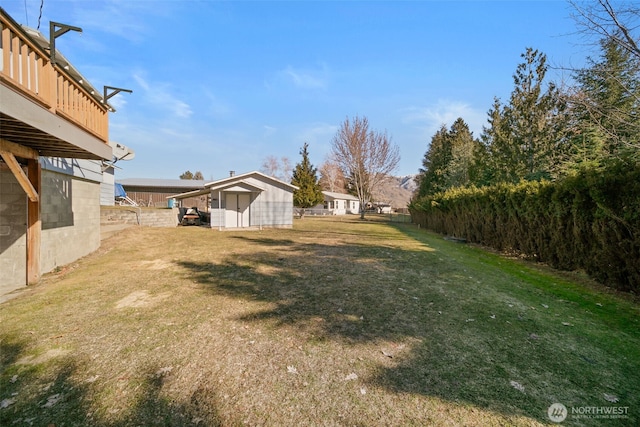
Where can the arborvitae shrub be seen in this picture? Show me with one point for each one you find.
(589, 220)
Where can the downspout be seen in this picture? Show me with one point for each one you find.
(210, 207)
(260, 216)
(219, 212)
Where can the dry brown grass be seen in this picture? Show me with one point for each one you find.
(329, 323)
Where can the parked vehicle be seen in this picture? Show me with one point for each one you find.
(191, 217)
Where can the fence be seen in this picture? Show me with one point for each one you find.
(392, 217)
(313, 212)
(399, 217)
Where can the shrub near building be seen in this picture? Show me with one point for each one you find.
(589, 220)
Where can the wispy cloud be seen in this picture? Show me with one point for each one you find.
(269, 130)
(159, 95)
(176, 133)
(216, 106)
(305, 78)
(122, 18)
(319, 136)
(118, 102)
(317, 132)
(141, 82)
(445, 112)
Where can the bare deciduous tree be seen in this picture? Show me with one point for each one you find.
(331, 177)
(287, 169)
(607, 96)
(279, 168)
(602, 19)
(365, 156)
(270, 165)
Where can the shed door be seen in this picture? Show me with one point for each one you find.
(237, 213)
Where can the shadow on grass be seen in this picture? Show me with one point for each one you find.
(33, 395)
(469, 345)
(265, 240)
(48, 392)
(363, 293)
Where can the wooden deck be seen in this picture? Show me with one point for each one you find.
(25, 67)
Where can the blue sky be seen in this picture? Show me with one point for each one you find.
(219, 86)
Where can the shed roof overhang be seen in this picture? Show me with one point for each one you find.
(188, 194)
(238, 186)
(24, 122)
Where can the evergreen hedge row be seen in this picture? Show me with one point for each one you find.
(588, 221)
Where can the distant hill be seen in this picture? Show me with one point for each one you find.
(397, 191)
(408, 182)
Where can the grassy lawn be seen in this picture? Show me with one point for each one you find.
(333, 322)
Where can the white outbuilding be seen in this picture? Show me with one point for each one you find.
(249, 200)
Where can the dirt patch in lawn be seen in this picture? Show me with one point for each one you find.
(156, 264)
(141, 299)
(42, 358)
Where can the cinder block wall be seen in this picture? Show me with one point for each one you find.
(13, 232)
(70, 215)
(146, 217)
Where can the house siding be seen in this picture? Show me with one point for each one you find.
(277, 214)
(107, 188)
(274, 205)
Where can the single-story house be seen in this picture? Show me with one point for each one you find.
(340, 203)
(249, 200)
(383, 208)
(154, 192)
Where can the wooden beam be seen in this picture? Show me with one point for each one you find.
(22, 178)
(18, 150)
(34, 224)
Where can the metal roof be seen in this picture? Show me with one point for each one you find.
(187, 184)
(240, 177)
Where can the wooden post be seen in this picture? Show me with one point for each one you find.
(34, 225)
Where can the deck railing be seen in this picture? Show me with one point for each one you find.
(26, 67)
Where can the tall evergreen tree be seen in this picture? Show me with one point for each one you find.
(606, 104)
(309, 192)
(449, 160)
(526, 136)
(480, 171)
(498, 146)
(431, 178)
(463, 148)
